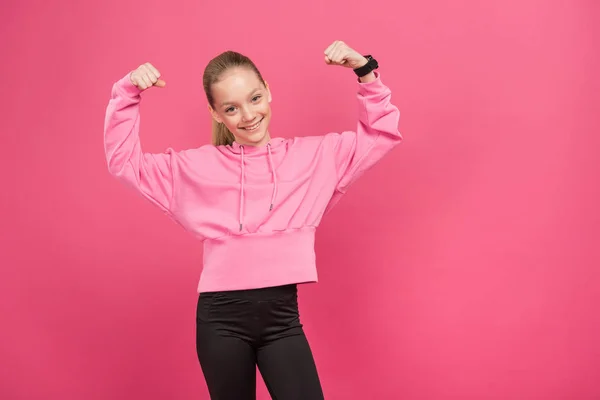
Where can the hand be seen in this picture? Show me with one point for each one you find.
(146, 76)
(338, 53)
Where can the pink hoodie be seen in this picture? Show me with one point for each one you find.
(254, 208)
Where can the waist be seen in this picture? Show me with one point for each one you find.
(256, 294)
(258, 260)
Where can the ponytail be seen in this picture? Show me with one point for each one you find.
(220, 134)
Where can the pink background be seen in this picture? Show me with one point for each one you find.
(464, 266)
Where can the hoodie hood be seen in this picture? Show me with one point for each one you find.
(236, 148)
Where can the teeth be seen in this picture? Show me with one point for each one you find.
(253, 127)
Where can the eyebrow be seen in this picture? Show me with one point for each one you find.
(226, 103)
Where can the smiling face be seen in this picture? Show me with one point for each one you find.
(242, 102)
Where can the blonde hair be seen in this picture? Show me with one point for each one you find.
(212, 73)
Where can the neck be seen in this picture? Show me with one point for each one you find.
(263, 142)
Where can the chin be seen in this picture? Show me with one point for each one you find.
(256, 137)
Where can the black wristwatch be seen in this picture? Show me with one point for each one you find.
(368, 67)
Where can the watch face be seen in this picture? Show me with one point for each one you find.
(371, 62)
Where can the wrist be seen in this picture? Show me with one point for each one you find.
(362, 63)
(367, 69)
(370, 77)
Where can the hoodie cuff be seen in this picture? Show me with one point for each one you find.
(373, 87)
(128, 88)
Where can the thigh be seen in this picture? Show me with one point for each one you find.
(228, 361)
(288, 369)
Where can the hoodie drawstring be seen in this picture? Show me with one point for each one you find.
(242, 190)
(242, 178)
(274, 177)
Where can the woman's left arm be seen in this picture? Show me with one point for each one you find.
(377, 128)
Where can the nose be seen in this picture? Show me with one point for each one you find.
(247, 115)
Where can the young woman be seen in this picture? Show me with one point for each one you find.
(255, 202)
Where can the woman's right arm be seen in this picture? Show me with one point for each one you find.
(149, 174)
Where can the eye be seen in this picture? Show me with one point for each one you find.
(255, 98)
(230, 109)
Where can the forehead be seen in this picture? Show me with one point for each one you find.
(236, 82)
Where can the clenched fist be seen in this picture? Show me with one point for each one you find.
(146, 76)
(338, 53)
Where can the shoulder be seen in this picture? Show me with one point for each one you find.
(316, 140)
(326, 142)
(194, 153)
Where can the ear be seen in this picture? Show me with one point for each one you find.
(269, 97)
(214, 114)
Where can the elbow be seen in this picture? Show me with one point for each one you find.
(115, 166)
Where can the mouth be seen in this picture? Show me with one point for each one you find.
(254, 127)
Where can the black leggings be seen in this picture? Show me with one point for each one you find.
(236, 331)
